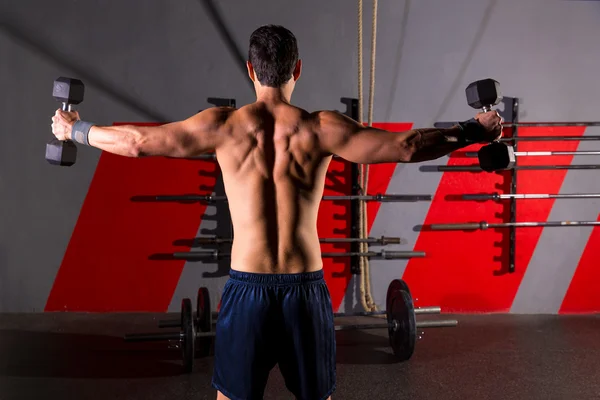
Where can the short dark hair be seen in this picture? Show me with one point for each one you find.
(273, 53)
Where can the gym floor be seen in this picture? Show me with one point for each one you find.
(83, 356)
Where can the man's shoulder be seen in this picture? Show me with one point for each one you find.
(330, 119)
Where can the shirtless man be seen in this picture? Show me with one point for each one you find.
(273, 156)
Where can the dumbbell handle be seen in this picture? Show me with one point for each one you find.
(68, 108)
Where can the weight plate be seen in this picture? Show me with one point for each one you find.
(203, 321)
(395, 285)
(188, 335)
(402, 322)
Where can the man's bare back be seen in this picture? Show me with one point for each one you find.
(274, 174)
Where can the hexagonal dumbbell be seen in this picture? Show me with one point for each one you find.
(483, 95)
(70, 92)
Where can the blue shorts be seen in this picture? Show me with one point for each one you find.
(269, 319)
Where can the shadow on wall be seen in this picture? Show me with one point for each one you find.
(487, 14)
(225, 33)
(398, 60)
(222, 228)
(220, 219)
(52, 53)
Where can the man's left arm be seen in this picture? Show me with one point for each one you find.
(198, 134)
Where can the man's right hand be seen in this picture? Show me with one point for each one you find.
(492, 122)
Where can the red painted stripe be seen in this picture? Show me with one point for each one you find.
(466, 271)
(334, 221)
(106, 266)
(540, 182)
(380, 175)
(583, 295)
(334, 217)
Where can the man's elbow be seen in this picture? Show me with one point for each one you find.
(136, 143)
(406, 152)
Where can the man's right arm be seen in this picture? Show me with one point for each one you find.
(354, 142)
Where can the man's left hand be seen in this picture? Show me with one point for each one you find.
(62, 123)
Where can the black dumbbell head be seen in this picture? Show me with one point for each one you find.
(483, 93)
(68, 90)
(495, 157)
(62, 153)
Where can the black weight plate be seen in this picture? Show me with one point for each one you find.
(395, 285)
(404, 286)
(188, 335)
(203, 321)
(402, 322)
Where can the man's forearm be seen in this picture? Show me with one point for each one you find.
(123, 140)
(432, 143)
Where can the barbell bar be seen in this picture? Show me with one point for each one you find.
(152, 337)
(213, 156)
(483, 225)
(498, 196)
(550, 138)
(444, 124)
(377, 197)
(551, 124)
(176, 323)
(448, 323)
(387, 255)
(476, 168)
(383, 240)
(545, 153)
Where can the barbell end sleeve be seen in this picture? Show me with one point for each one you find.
(483, 196)
(456, 227)
(390, 198)
(390, 240)
(428, 310)
(448, 323)
(152, 337)
(173, 323)
(397, 255)
(205, 240)
(166, 198)
(197, 255)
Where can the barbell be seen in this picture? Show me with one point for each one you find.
(383, 240)
(483, 225)
(476, 168)
(504, 196)
(544, 153)
(383, 254)
(400, 314)
(377, 197)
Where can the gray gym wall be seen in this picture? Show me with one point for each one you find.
(160, 60)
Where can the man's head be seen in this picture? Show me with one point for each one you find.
(273, 57)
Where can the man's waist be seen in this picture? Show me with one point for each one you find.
(296, 278)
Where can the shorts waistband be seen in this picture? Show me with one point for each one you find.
(277, 279)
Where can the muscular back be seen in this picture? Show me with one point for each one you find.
(274, 173)
(274, 157)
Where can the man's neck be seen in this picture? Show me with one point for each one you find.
(273, 95)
